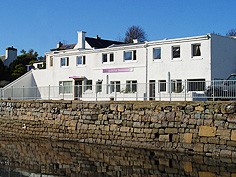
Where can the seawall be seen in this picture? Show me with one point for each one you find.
(207, 128)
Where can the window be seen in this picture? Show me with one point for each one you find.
(176, 86)
(39, 65)
(98, 86)
(65, 87)
(51, 61)
(130, 55)
(107, 57)
(196, 84)
(111, 57)
(88, 85)
(176, 51)
(81, 60)
(104, 58)
(115, 86)
(131, 86)
(157, 53)
(65, 61)
(162, 85)
(196, 50)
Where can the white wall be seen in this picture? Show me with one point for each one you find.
(223, 56)
(185, 67)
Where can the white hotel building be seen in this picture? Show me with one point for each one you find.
(100, 69)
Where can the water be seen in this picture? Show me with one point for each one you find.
(25, 157)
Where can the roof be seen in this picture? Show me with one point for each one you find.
(64, 47)
(93, 42)
(100, 43)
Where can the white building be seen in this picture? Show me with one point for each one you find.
(9, 57)
(131, 71)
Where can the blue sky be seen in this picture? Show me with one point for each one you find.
(41, 24)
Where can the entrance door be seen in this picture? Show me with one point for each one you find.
(152, 90)
(78, 89)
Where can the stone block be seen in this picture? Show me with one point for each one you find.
(154, 119)
(171, 130)
(121, 107)
(230, 109)
(233, 135)
(118, 122)
(188, 167)
(199, 108)
(232, 118)
(232, 125)
(124, 129)
(188, 137)
(224, 134)
(207, 131)
(136, 117)
(106, 128)
(165, 162)
(113, 127)
(137, 124)
(170, 116)
(113, 107)
(164, 138)
(206, 174)
(225, 153)
(198, 147)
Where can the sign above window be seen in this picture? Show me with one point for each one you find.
(116, 70)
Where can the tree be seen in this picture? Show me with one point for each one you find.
(231, 32)
(135, 32)
(215, 33)
(18, 66)
(23, 51)
(19, 70)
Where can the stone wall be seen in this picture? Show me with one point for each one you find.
(207, 128)
(66, 158)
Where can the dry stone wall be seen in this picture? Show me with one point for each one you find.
(207, 128)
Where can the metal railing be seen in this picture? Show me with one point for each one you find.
(177, 90)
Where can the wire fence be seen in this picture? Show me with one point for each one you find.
(177, 90)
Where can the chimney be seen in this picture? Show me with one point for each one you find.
(135, 41)
(59, 44)
(81, 39)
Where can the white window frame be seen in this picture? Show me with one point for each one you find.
(50, 61)
(83, 60)
(156, 48)
(131, 86)
(108, 57)
(172, 50)
(65, 87)
(162, 86)
(196, 56)
(66, 61)
(88, 85)
(176, 86)
(133, 55)
(115, 86)
(99, 86)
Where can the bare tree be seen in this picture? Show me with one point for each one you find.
(231, 32)
(135, 32)
(215, 33)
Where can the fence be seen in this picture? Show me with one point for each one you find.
(177, 90)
